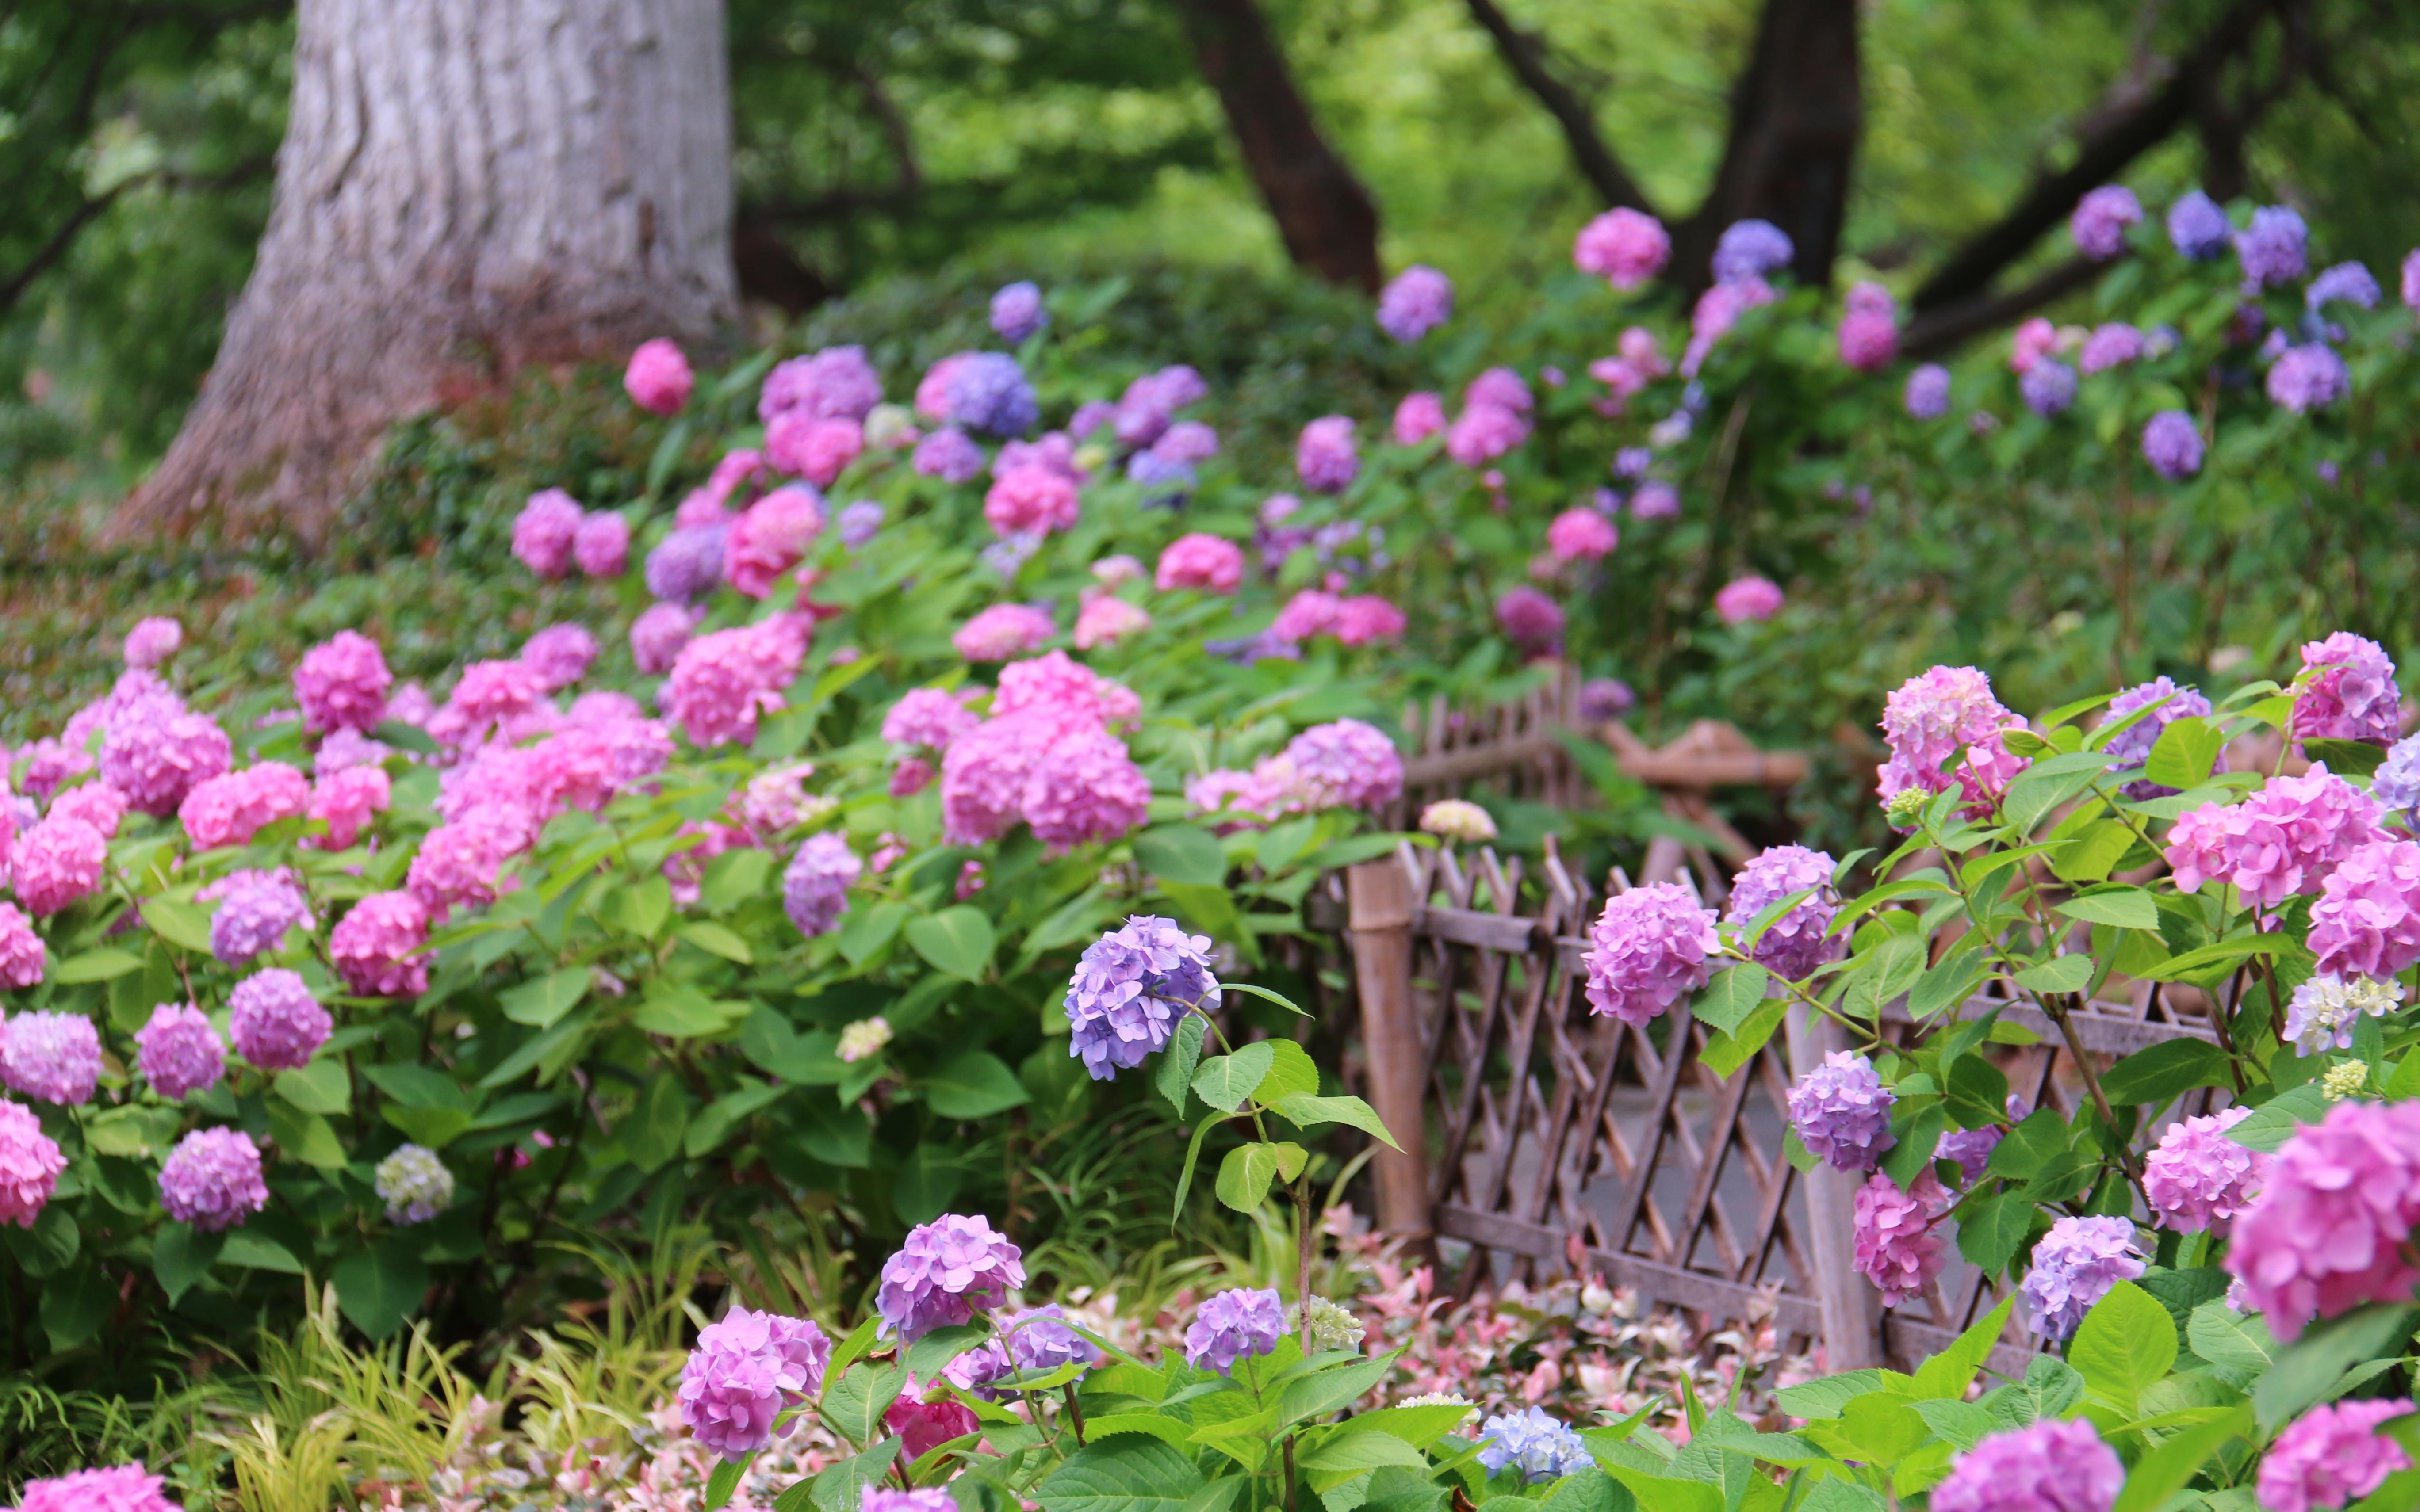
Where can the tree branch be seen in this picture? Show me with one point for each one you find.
(1939, 330)
(2104, 153)
(1525, 54)
(44, 258)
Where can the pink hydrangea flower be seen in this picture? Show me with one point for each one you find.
(153, 641)
(1366, 618)
(745, 1371)
(1344, 764)
(1650, 948)
(1929, 717)
(1530, 620)
(1654, 500)
(1030, 499)
(178, 1052)
(1325, 454)
(2355, 698)
(983, 775)
(2331, 1456)
(344, 800)
(58, 861)
(212, 1180)
(1003, 631)
(491, 700)
(156, 749)
(1623, 247)
(23, 955)
(946, 1271)
(813, 448)
(1414, 303)
(559, 656)
(2197, 1178)
(1201, 560)
(1107, 619)
(1084, 788)
(1797, 942)
(2031, 341)
(230, 810)
(1895, 1246)
(1717, 312)
(835, 382)
(55, 1058)
(97, 804)
(928, 717)
(1744, 600)
(1483, 432)
(772, 538)
(341, 684)
(601, 547)
(659, 380)
(1841, 1111)
(1066, 690)
(545, 530)
(116, 1488)
(2054, 1465)
(460, 863)
(2283, 841)
(1309, 612)
(1582, 534)
(1869, 332)
(657, 635)
(377, 946)
(275, 1022)
(2368, 920)
(2332, 1225)
(722, 683)
(1418, 417)
(30, 1164)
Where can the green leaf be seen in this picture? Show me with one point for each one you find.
(381, 1286)
(1208, 910)
(974, 1084)
(1348, 1452)
(1175, 1077)
(306, 1137)
(717, 939)
(95, 965)
(75, 1305)
(1956, 1424)
(958, 941)
(927, 1355)
(642, 910)
(1185, 1172)
(1290, 1072)
(2274, 1121)
(1826, 1396)
(1225, 1081)
(853, 1406)
(1978, 1092)
(2345, 758)
(2125, 1343)
(433, 1127)
(1991, 1229)
(256, 1252)
(1331, 1390)
(2308, 1368)
(2183, 755)
(320, 1086)
(2215, 959)
(1731, 995)
(1948, 1375)
(2160, 1072)
(2092, 851)
(181, 1257)
(1184, 854)
(2030, 1147)
(678, 1011)
(542, 1002)
(2125, 907)
(651, 1133)
(181, 924)
(840, 1486)
(927, 1180)
(2060, 974)
(51, 1244)
(865, 931)
(404, 736)
(1726, 1054)
(538, 1049)
(2239, 1349)
(724, 1479)
(1309, 1111)
(2174, 1460)
(1245, 1174)
(1130, 1472)
(851, 1349)
(2047, 785)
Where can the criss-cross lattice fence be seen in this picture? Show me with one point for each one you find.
(1539, 1124)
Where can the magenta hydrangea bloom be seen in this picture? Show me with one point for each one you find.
(1415, 302)
(2332, 1225)
(275, 1022)
(1794, 943)
(2172, 444)
(837, 383)
(1929, 717)
(2331, 1456)
(1605, 699)
(1893, 1241)
(1868, 337)
(1057, 682)
(97, 804)
(341, 684)
(984, 774)
(116, 1489)
(1003, 631)
(1187, 441)
(946, 1271)
(1650, 948)
(1744, 600)
(2412, 280)
(2283, 841)
(1325, 454)
(377, 946)
(920, 1499)
(1582, 534)
(229, 809)
(1032, 499)
(743, 1372)
(724, 682)
(2367, 922)
(2272, 249)
(1366, 618)
(2100, 221)
(53, 1058)
(1345, 765)
(1107, 619)
(212, 1180)
(1927, 396)
(1418, 417)
(1841, 1111)
(1084, 788)
(1751, 249)
(1131, 988)
(30, 1164)
(1713, 317)
(657, 635)
(814, 448)
(1624, 247)
(2111, 344)
(345, 800)
(1241, 1324)
(2132, 746)
(2197, 1178)
(1530, 620)
(153, 641)
(2074, 1265)
(658, 380)
(1201, 560)
(58, 861)
(928, 717)
(559, 656)
(2054, 1465)
(23, 955)
(772, 538)
(178, 1052)
(601, 547)
(2308, 376)
(2353, 698)
(815, 885)
(157, 749)
(545, 529)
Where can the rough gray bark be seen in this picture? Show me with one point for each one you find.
(465, 186)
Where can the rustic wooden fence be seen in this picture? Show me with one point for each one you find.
(1531, 1125)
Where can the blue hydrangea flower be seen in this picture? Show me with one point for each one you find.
(989, 393)
(1542, 1448)
(2349, 282)
(1235, 1325)
(2272, 248)
(1016, 312)
(1751, 249)
(1841, 1112)
(2131, 746)
(2395, 784)
(2198, 229)
(1130, 989)
(2075, 1265)
(2048, 386)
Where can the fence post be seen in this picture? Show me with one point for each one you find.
(1378, 919)
(1852, 1319)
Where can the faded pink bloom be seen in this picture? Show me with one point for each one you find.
(1419, 416)
(1003, 631)
(1201, 560)
(659, 380)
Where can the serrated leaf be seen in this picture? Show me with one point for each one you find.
(2124, 1344)
(2183, 755)
(2060, 974)
(2125, 907)
(1309, 1110)
(717, 939)
(1245, 1174)
(1291, 1072)
(1184, 854)
(2157, 1073)
(1131, 1473)
(542, 1002)
(958, 941)
(974, 1084)
(2274, 1121)
(1175, 1077)
(853, 1406)
(1225, 1081)
(1731, 995)
(181, 924)
(2239, 1349)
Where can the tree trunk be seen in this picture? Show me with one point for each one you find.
(465, 186)
(1797, 114)
(1328, 221)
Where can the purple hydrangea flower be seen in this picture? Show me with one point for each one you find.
(1969, 1149)
(1187, 441)
(1325, 454)
(1541, 1447)
(2198, 229)
(2132, 746)
(1751, 249)
(1840, 1112)
(2272, 248)
(2054, 1465)
(2113, 343)
(1235, 1325)
(859, 522)
(743, 1372)
(2349, 282)
(1650, 948)
(2048, 386)
(256, 909)
(946, 1271)
(2395, 784)
(2075, 1265)
(55, 1058)
(2331, 1456)
(687, 565)
(1794, 943)
(1130, 989)
(814, 886)
(2308, 376)
(950, 455)
(1036, 1339)
(837, 383)
(1345, 764)
(2199, 1178)
(178, 1052)
(1164, 480)
(2101, 219)
(1927, 391)
(1016, 312)
(1603, 699)
(275, 1022)
(212, 1180)
(2172, 444)
(989, 393)
(1415, 302)
(921, 1499)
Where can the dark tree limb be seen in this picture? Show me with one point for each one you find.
(1327, 218)
(2101, 155)
(769, 270)
(1526, 53)
(1797, 112)
(13, 286)
(1943, 328)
